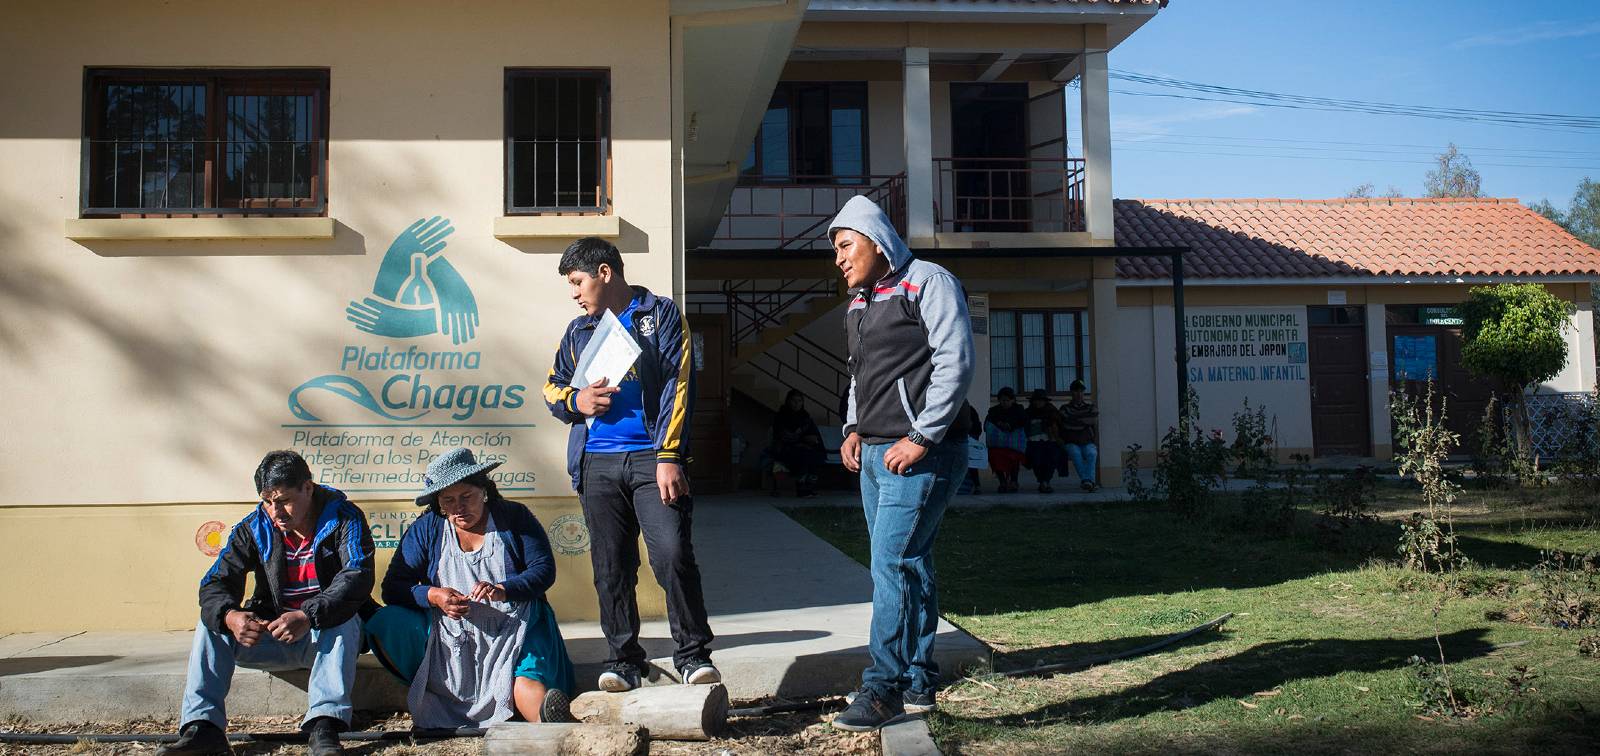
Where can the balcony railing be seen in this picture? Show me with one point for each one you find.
(203, 177)
(792, 212)
(1008, 194)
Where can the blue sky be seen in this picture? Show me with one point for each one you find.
(1483, 54)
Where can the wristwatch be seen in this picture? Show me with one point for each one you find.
(919, 439)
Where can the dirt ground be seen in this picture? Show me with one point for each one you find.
(780, 735)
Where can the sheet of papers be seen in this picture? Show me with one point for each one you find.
(609, 354)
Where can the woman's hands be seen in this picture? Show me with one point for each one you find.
(487, 591)
(452, 602)
(456, 604)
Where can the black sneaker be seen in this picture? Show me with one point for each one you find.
(919, 702)
(322, 737)
(699, 672)
(619, 678)
(868, 712)
(198, 738)
(556, 707)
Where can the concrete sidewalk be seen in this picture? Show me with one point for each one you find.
(789, 610)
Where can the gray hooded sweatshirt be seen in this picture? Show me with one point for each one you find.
(911, 357)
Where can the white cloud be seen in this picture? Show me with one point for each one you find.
(1539, 32)
(1136, 127)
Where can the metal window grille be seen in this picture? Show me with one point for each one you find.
(191, 143)
(1039, 349)
(557, 141)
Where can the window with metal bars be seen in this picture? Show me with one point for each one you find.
(1038, 349)
(189, 142)
(558, 134)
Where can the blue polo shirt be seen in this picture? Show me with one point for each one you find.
(621, 428)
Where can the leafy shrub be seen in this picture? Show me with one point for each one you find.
(1427, 540)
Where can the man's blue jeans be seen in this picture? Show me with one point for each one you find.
(1084, 458)
(903, 514)
(329, 653)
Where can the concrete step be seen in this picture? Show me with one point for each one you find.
(790, 613)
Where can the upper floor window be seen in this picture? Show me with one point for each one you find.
(558, 132)
(1038, 349)
(181, 142)
(813, 133)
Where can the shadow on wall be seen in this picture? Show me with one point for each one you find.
(151, 305)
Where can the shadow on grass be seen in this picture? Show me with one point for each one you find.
(1000, 560)
(1262, 667)
(1093, 652)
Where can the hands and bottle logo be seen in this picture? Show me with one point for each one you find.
(417, 291)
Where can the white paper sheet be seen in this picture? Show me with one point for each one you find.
(609, 355)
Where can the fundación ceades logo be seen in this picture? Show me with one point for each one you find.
(416, 294)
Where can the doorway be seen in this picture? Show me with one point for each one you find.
(989, 147)
(1340, 423)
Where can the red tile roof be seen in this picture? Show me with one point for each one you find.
(1285, 238)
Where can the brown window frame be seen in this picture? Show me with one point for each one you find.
(602, 191)
(218, 85)
(1080, 336)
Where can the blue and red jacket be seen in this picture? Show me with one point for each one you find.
(666, 379)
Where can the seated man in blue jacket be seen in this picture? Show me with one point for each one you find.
(311, 553)
(626, 453)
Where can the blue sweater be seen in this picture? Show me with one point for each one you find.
(415, 567)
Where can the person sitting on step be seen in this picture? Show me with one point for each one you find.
(466, 625)
(310, 551)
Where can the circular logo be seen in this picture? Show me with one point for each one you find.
(569, 534)
(208, 539)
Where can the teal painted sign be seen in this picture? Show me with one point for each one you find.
(417, 398)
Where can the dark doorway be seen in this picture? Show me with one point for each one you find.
(1339, 386)
(1425, 342)
(710, 437)
(989, 144)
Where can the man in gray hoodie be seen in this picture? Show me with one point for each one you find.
(911, 363)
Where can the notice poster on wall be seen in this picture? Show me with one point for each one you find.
(1254, 354)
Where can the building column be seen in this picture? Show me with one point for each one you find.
(1104, 333)
(917, 125)
(1582, 354)
(1378, 370)
(1095, 102)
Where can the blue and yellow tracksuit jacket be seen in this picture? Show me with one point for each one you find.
(666, 377)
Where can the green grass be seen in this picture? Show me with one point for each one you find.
(1315, 659)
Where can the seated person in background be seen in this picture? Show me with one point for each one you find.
(466, 624)
(1080, 434)
(1005, 429)
(310, 551)
(1044, 438)
(797, 444)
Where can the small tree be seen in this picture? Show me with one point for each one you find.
(1582, 218)
(1454, 176)
(1513, 338)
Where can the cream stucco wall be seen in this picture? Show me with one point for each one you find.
(148, 377)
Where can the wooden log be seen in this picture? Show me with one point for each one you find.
(668, 712)
(565, 739)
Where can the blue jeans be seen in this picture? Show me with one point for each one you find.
(1084, 458)
(903, 514)
(329, 653)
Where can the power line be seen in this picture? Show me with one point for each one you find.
(1263, 98)
(1429, 147)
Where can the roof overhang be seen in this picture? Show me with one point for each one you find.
(1121, 19)
(1375, 280)
(730, 57)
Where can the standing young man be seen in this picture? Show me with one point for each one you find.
(628, 464)
(310, 551)
(910, 365)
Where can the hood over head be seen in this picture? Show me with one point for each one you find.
(864, 217)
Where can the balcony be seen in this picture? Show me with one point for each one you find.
(1008, 195)
(972, 196)
(792, 212)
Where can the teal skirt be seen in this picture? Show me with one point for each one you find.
(398, 637)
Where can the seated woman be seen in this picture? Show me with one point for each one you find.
(797, 444)
(466, 624)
